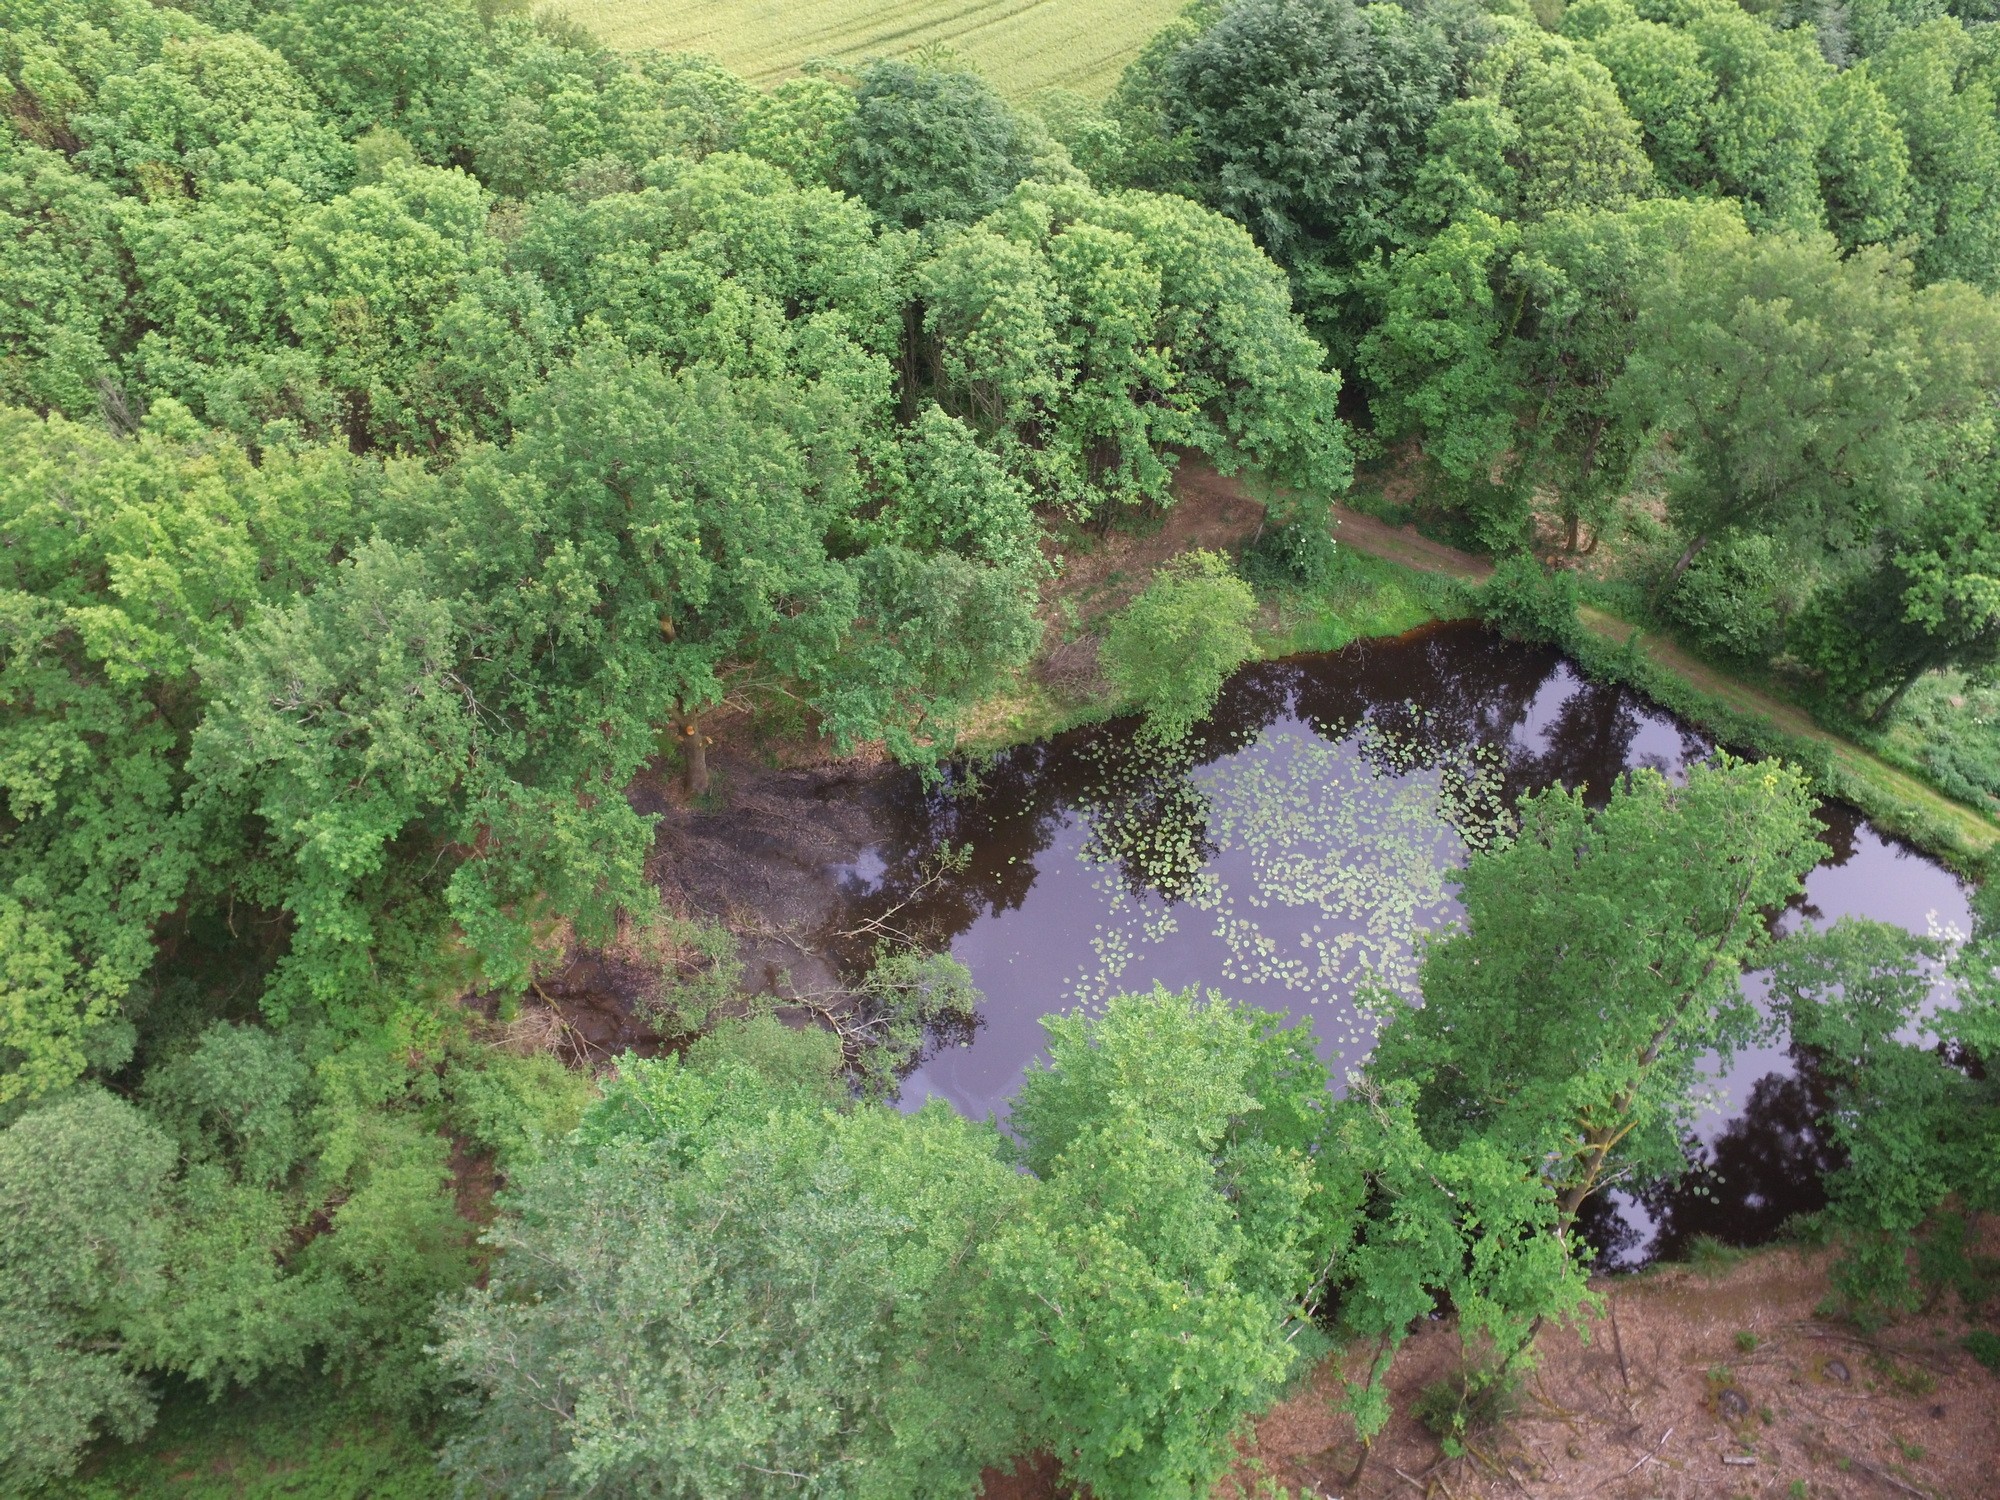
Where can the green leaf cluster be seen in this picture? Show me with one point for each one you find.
(1169, 651)
(268, 1208)
(417, 424)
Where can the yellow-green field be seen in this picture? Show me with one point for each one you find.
(1020, 45)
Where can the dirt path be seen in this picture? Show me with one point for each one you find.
(1402, 545)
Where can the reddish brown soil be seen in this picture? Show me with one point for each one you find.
(1691, 1385)
(1664, 1394)
(1209, 511)
(1660, 1400)
(1035, 1478)
(1400, 544)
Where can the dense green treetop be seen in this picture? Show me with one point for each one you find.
(722, 1282)
(1600, 959)
(488, 400)
(1807, 390)
(81, 1251)
(1308, 116)
(1728, 103)
(1940, 82)
(126, 558)
(930, 145)
(1560, 136)
(1506, 345)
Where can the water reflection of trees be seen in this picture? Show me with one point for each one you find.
(1768, 1164)
(1430, 697)
(1458, 684)
(1419, 703)
(1448, 687)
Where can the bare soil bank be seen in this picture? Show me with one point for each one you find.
(1691, 1385)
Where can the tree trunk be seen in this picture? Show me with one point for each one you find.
(1575, 526)
(912, 363)
(1597, 1144)
(1353, 1480)
(1688, 554)
(694, 747)
(1888, 704)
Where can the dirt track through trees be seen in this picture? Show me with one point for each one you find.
(1400, 544)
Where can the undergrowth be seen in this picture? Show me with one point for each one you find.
(1463, 1405)
(297, 1443)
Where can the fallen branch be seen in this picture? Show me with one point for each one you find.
(1618, 1343)
(1889, 1479)
(1648, 1458)
(1826, 1450)
(947, 862)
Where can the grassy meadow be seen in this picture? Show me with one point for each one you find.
(1020, 45)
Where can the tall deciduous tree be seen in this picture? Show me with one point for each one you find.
(1864, 161)
(211, 110)
(930, 145)
(1928, 598)
(1185, 1211)
(1943, 98)
(1729, 104)
(1305, 120)
(1917, 1125)
(62, 317)
(1600, 960)
(378, 63)
(1081, 334)
(1503, 347)
(1565, 139)
(81, 1245)
(1802, 388)
(124, 559)
(721, 1284)
(367, 278)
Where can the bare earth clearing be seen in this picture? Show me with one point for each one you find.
(1690, 1387)
(1666, 1402)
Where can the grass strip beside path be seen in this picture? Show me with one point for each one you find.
(1892, 796)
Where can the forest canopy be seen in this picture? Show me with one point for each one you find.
(412, 420)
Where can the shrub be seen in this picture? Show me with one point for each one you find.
(1729, 597)
(1526, 602)
(1172, 648)
(1464, 1404)
(1295, 548)
(1984, 1345)
(513, 1105)
(81, 1247)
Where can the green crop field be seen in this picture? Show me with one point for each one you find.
(1020, 45)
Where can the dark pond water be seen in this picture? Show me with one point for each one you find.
(1291, 857)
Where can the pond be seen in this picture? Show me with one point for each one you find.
(1290, 856)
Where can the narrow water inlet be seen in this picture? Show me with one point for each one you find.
(1292, 857)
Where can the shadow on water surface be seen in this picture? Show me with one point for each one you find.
(1292, 855)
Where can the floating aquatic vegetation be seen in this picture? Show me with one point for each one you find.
(1316, 862)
